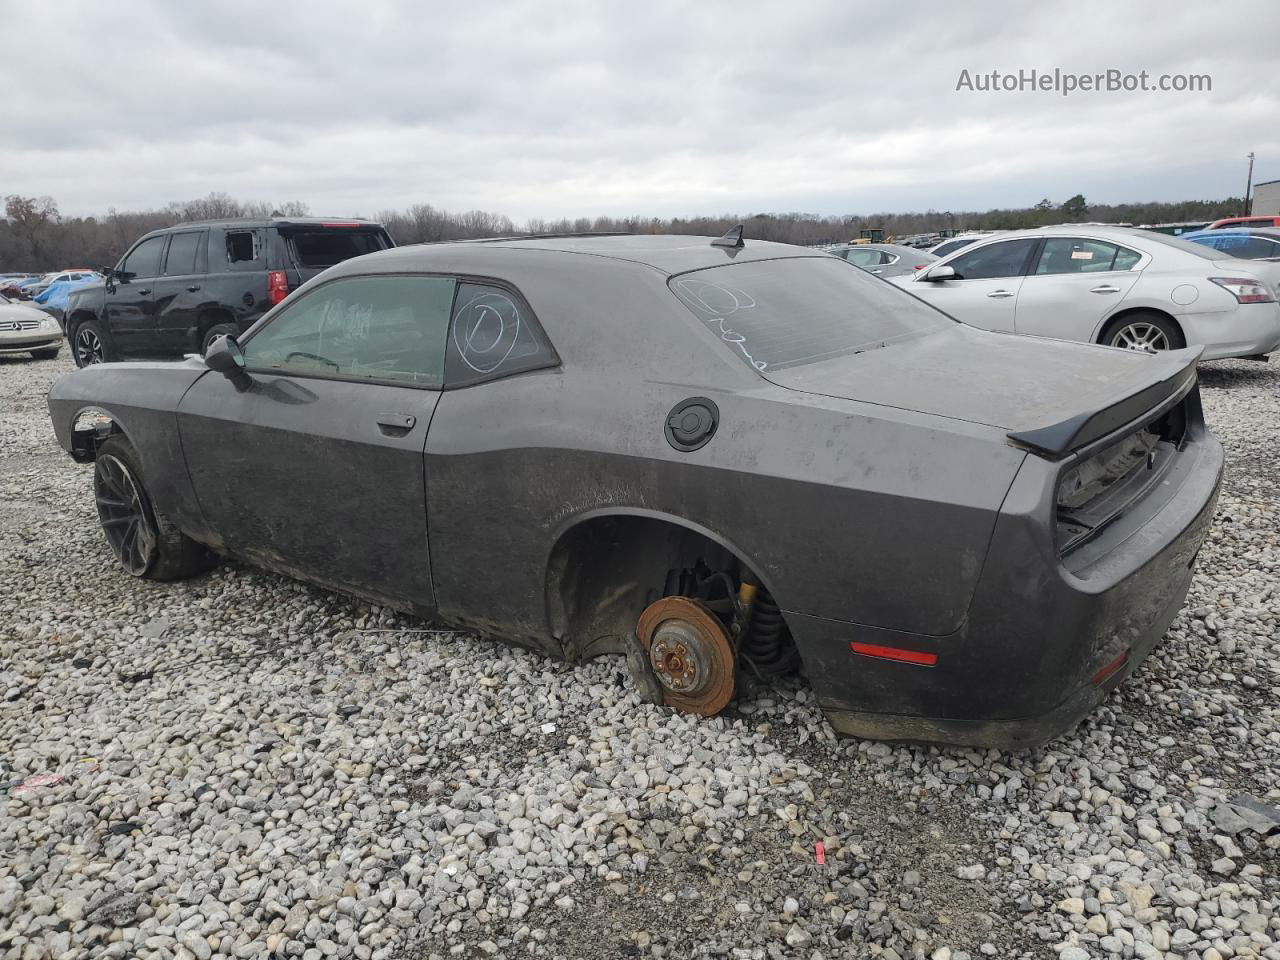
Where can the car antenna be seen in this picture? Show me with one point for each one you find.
(732, 238)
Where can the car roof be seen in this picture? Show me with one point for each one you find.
(667, 254)
(1074, 230)
(244, 222)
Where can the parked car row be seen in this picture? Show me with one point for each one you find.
(25, 286)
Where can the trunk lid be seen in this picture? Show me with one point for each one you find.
(1052, 396)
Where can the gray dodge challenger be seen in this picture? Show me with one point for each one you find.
(722, 459)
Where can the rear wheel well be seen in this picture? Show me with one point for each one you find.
(604, 571)
(1115, 321)
(210, 318)
(70, 323)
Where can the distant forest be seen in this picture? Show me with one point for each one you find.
(35, 236)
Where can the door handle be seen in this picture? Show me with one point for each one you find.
(193, 288)
(877, 272)
(395, 424)
(1105, 288)
(1000, 294)
(144, 291)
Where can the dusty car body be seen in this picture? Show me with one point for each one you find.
(715, 458)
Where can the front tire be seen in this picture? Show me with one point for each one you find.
(144, 541)
(89, 345)
(1144, 330)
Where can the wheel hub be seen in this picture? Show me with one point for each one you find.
(690, 653)
(1146, 337)
(88, 348)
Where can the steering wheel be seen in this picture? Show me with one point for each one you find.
(312, 356)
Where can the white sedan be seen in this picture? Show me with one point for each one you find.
(1111, 285)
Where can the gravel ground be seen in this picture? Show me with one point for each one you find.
(247, 767)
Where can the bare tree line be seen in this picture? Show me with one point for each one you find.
(34, 236)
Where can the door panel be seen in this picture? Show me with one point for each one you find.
(986, 289)
(129, 303)
(311, 461)
(1069, 307)
(980, 303)
(317, 479)
(179, 294)
(1071, 288)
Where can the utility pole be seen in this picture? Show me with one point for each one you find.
(1248, 189)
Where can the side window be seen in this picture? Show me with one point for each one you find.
(864, 257)
(181, 259)
(1248, 247)
(1126, 259)
(242, 250)
(1077, 255)
(366, 328)
(144, 259)
(993, 261)
(493, 334)
(1266, 249)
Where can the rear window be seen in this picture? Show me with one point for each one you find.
(775, 314)
(1186, 246)
(324, 248)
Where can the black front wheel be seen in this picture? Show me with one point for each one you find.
(144, 541)
(89, 345)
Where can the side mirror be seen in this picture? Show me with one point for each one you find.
(940, 273)
(225, 356)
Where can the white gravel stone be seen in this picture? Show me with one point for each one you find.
(251, 767)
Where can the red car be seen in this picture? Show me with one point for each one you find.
(1244, 222)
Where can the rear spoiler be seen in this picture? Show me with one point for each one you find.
(1171, 377)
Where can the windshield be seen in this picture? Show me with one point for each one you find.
(775, 314)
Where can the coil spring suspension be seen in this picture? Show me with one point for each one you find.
(764, 641)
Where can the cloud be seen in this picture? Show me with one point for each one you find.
(571, 108)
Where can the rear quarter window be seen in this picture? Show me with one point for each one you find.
(493, 334)
(238, 250)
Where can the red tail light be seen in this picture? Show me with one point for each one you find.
(277, 286)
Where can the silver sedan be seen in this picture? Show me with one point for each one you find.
(1112, 285)
(883, 259)
(24, 329)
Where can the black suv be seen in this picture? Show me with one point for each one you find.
(178, 289)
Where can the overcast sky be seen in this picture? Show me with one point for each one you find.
(550, 109)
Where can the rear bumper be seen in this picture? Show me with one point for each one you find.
(1248, 330)
(1045, 639)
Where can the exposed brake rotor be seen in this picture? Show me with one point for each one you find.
(690, 654)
